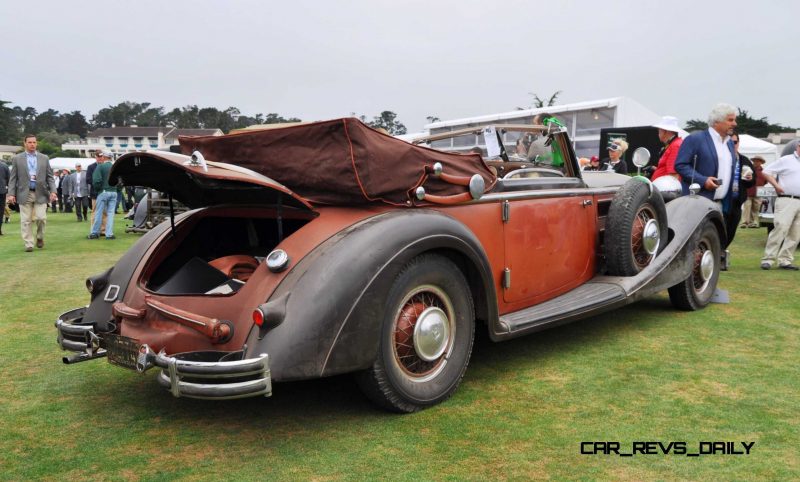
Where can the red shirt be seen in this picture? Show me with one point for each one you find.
(666, 165)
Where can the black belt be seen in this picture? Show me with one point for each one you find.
(789, 195)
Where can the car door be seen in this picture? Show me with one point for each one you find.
(550, 241)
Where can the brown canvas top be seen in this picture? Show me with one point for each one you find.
(341, 161)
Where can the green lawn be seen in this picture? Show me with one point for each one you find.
(644, 373)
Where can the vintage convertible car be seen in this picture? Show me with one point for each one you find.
(330, 248)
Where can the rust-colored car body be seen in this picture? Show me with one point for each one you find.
(522, 254)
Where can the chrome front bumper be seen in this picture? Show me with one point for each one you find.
(190, 374)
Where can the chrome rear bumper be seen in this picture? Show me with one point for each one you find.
(205, 375)
(78, 338)
(221, 380)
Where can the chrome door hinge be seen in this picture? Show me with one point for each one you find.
(507, 278)
(506, 211)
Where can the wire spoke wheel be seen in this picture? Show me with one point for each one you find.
(427, 331)
(643, 245)
(703, 266)
(636, 229)
(423, 333)
(696, 290)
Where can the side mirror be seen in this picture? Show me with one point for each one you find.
(641, 156)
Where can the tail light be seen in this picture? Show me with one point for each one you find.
(271, 314)
(258, 317)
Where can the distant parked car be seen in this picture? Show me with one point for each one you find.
(331, 248)
(766, 216)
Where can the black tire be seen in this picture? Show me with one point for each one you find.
(696, 290)
(631, 210)
(401, 379)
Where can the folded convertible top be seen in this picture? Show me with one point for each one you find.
(341, 162)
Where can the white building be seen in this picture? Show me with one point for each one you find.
(582, 119)
(121, 140)
(7, 152)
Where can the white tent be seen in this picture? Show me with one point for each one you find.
(69, 163)
(751, 146)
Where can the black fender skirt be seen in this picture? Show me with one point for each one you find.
(333, 299)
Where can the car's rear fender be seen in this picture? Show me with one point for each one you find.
(335, 296)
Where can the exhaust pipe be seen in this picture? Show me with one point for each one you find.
(81, 357)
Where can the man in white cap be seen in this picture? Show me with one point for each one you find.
(668, 134)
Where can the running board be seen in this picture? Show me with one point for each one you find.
(583, 301)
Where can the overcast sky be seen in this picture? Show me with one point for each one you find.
(450, 59)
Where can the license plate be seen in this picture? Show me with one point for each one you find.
(122, 351)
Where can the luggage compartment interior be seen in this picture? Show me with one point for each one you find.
(216, 254)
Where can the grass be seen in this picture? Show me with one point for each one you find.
(643, 373)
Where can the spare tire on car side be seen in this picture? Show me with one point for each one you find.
(636, 228)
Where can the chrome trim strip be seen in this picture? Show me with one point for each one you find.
(543, 193)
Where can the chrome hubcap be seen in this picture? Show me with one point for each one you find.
(651, 237)
(707, 265)
(431, 333)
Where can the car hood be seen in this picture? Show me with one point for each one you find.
(197, 183)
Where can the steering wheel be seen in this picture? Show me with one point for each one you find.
(533, 172)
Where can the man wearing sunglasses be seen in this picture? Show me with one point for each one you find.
(746, 181)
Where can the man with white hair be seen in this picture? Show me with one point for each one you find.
(709, 159)
(784, 175)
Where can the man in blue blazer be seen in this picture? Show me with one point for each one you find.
(708, 158)
(699, 156)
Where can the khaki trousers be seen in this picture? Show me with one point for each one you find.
(750, 211)
(29, 212)
(783, 239)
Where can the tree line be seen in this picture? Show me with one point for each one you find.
(745, 124)
(55, 128)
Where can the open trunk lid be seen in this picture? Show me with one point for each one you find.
(197, 183)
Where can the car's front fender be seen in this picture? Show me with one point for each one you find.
(686, 216)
